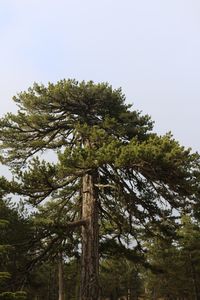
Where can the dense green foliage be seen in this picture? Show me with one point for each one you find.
(140, 175)
(173, 271)
(144, 182)
(14, 235)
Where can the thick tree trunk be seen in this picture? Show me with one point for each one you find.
(60, 277)
(89, 289)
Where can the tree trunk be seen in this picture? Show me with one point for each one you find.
(60, 277)
(89, 289)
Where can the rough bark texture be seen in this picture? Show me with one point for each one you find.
(90, 241)
(60, 277)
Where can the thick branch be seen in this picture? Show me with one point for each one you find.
(71, 225)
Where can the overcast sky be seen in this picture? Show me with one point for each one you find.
(151, 48)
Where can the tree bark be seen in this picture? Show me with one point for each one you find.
(89, 289)
(60, 277)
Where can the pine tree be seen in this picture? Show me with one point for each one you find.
(174, 262)
(111, 169)
(120, 277)
(189, 247)
(162, 280)
(9, 256)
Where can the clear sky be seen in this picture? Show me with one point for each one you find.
(151, 48)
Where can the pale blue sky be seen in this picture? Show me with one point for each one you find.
(151, 48)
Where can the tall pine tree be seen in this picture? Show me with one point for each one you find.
(111, 171)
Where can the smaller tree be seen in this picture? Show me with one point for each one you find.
(162, 280)
(12, 233)
(189, 247)
(120, 277)
(55, 243)
(175, 263)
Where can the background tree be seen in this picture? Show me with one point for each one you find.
(55, 243)
(110, 170)
(174, 261)
(189, 248)
(120, 277)
(13, 235)
(164, 279)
